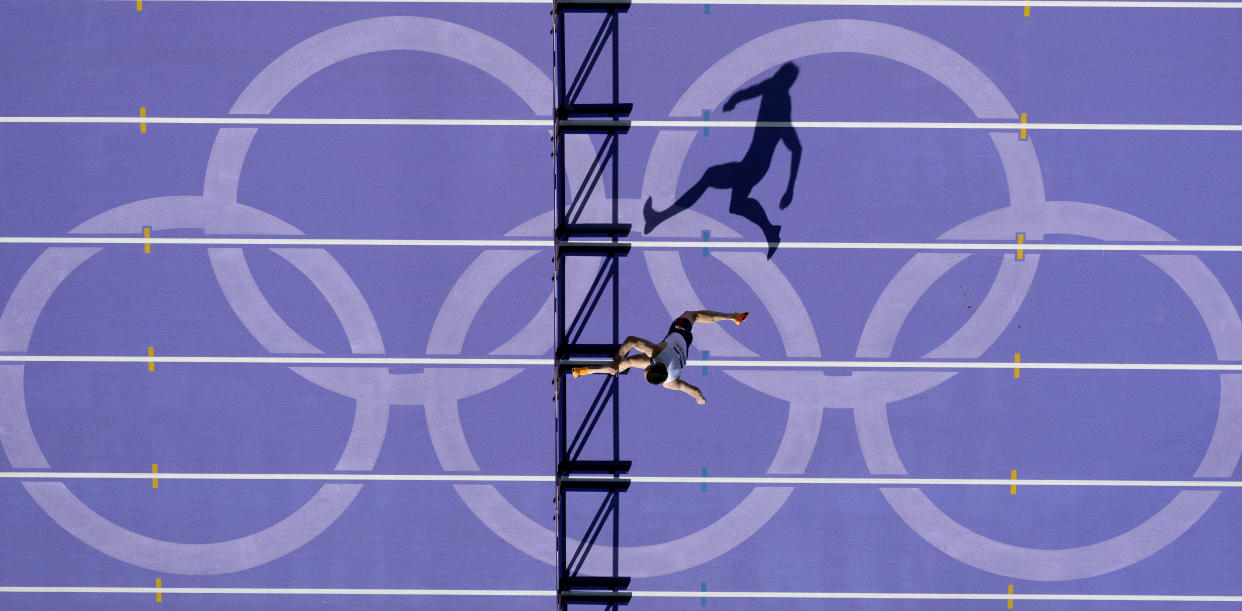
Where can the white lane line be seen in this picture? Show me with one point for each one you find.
(655, 244)
(636, 594)
(657, 479)
(962, 3)
(278, 241)
(937, 596)
(965, 365)
(688, 124)
(930, 3)
(954, 246)
(311, 591)
(385, 361)
(279, 360)
(1144, 127)
(543, 123)
(922, 481)
(326, 477)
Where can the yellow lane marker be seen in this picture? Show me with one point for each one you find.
(1017, 358)
(1009, 605)
(159, 596)
(140, 5)
(150, 354)
(1021, 239)
(1022, 131)
(146, 233)
(142, 110)
(1013, 488)
(1026, 12)
(155, 481)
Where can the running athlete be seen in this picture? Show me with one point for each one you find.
(664, 361)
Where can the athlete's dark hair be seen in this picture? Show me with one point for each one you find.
(657, 373)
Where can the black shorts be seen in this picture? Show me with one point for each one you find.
(681, 326)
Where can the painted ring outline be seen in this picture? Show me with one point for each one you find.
(1220, 459)
(17, 322)
(220, 188)
(1027, 207)
(762, 503)
(845, 35)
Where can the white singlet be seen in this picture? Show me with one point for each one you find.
(673, 356)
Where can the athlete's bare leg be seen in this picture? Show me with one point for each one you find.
(622, 362)
(620, 365)
(636, 343)
(610, 369)
(710, 316)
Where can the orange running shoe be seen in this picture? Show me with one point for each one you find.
(740, 317)
(579, 371)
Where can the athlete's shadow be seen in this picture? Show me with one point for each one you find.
(742, 176)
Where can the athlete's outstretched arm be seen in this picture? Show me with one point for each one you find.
(795, 149)
(688, 388)
(745, 94)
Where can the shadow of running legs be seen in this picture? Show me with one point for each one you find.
(716, 177)
(734, 176)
